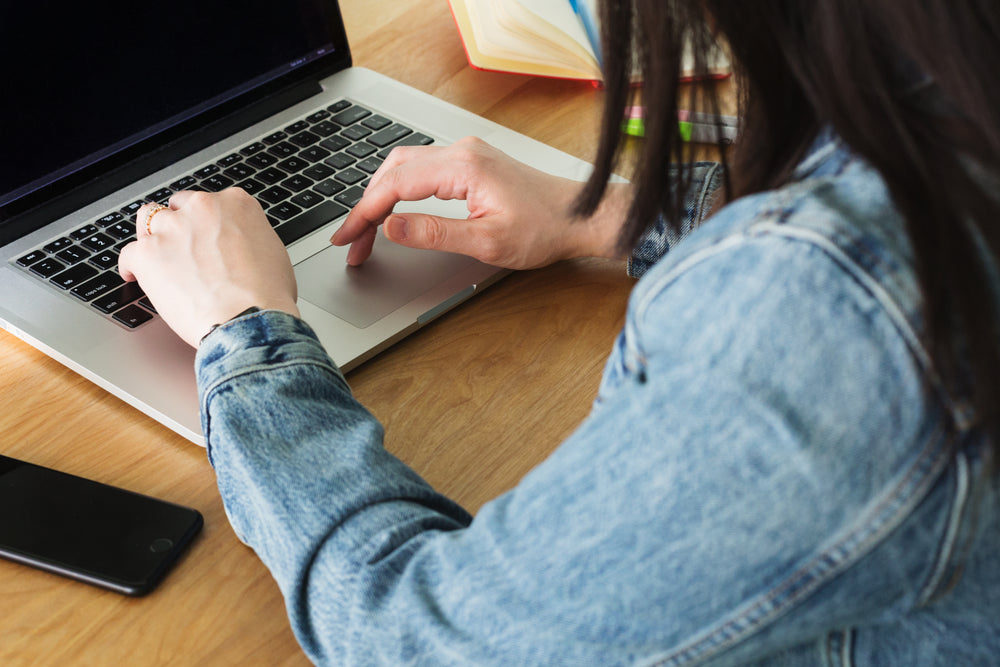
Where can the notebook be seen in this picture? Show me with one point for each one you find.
(105, 111)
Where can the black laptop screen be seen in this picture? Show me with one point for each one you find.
(85, 81)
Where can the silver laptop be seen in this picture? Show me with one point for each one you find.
(102, 113)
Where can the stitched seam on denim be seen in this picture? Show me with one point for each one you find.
(947, 548)
(847, 648)
(652, 292)
(709, 187)
(812, 162)
(839, 648)
(879, 521)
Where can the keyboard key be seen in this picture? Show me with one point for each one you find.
(417, 139)
(110, 219)
(98, 242)
(130, 210)
(95, 287)
(318, 116)
(303, 139)
(262, 161)
(274, 194)
(229, 160)
(329, 187)
(389, 135)
(105, 260)
(318, 172)
(297, 127)
(73, 254)
(284, 211)
(356, 133)
(147, 304)
(252, 149)
(31, 258)
(84, 232)
(306, 199)
(284, 149)
(239, 171)
(314, 154)
(184, 184)
(47, 267)
(338, 106)
(274, 138)
(350, 176)
(205, 172)
(293, 165)
(351, 115)
(310, 221)
(271, 176)
(73, 276)
(118, 297)
(370, 165)
(297, 183)
(251, 187)
(59, 244)
(335, 143)
(217, 183)
(339, 160)
(351, 197)
(161, 195)
(376, 122)
(122, 230)
(324, 128)
(132, 316)
(361, 150)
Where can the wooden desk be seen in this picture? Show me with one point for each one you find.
(473, 402)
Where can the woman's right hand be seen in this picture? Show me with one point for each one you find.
(519, 217)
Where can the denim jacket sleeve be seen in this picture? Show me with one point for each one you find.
(706, 180)
(713, 491)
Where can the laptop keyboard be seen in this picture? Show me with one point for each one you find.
(304, 176)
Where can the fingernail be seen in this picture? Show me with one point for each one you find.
(399, 226)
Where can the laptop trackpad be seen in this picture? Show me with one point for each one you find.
(392, 277)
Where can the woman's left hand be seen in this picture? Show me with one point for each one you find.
(207, 258)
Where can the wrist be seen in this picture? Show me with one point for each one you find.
(598, 234)
(249, 311)
(287, 307)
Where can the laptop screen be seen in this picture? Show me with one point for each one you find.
(84, 83)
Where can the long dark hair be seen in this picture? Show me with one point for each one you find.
(912, 87)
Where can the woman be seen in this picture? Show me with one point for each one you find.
(792, 456)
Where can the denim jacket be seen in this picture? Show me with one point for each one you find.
(770, 474)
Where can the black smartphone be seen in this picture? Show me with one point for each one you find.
(89, 531)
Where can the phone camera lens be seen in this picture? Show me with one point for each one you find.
(160, 545)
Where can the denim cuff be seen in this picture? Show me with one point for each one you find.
(263, 339)
(661, 236)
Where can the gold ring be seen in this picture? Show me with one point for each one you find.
(149, 216)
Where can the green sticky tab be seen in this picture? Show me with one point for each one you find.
(634, 127)
(686, 130)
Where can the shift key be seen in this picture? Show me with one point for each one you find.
(118, 297)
